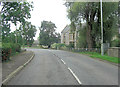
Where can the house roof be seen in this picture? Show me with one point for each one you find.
(66, 29)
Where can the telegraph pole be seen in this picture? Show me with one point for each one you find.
(102, 50)
(16, 32)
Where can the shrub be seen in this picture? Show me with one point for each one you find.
(54, 45)
(115, 43)
(17, 47)
(58, 45)
(71, 45)
(8, 49)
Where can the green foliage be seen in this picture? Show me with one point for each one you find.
(28, 32)
(13, 12)
(81, 42)
(48, 35)
(16, 11)
(89, 13)
(13, 47)
(71, 45)
(105, 57)
(5, 31)
(72, 27)
(54, 46)
(58, 45)
(33, 47)
(0, 44)
(9, 49)
(109, 10)
(115, 43)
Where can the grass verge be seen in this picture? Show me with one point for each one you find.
(34, 47)
(104, 57)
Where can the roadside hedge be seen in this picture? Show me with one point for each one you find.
(58, 45)
(115, 43)
(9, 49)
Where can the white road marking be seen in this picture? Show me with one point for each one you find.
(16, 71)
(63, 61)
(75, 76)
(71, 71)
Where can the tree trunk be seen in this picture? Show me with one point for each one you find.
(89, 37)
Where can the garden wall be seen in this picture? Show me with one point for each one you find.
(114, 52)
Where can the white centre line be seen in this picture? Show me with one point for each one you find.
(63, 61)
(75, 76)
(71, 72)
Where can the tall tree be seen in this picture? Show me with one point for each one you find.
(48, 34)
(28, 33)
(13, 12)
(89, 12)
(16, 11)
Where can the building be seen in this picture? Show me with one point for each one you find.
(66, 36)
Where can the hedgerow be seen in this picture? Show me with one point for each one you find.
(8, 49)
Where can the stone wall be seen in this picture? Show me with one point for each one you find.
(114, 52)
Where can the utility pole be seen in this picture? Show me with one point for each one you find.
(16, 33)
(102, 50)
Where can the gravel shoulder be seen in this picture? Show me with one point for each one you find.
(16, 61)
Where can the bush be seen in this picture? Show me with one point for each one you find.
(53, 46)
(115, 43)
(8, 49)
(71, 45)
(58, 46)
(17, 47)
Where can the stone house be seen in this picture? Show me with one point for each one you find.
(67, 37)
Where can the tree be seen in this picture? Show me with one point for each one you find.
(5, 31)
(13, 12)
(48, 34)
(84, 11)
(81, 42)
(28, 33)
(16, 11)
(89, 12)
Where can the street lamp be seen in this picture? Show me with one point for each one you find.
(102, 50)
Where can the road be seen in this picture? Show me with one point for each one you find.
(56, 67)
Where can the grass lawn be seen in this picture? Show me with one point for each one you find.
(104, 57)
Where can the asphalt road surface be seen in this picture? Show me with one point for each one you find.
(55, 67)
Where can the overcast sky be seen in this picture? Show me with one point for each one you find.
(49, 10)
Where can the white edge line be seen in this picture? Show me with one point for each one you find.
(63, 61)
(75, 76)
(11, 75)
(17, 70)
